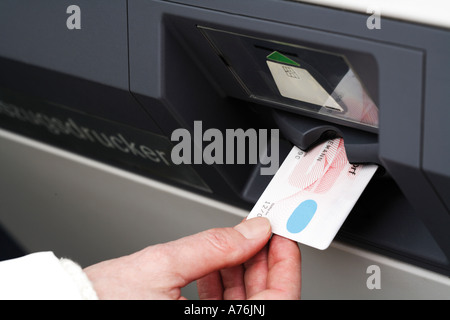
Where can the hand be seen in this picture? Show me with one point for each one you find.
(231, 263)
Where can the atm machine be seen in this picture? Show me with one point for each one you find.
(91, 92)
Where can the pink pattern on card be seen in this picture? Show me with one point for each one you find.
(318, 171)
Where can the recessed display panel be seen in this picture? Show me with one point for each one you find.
(319, 83)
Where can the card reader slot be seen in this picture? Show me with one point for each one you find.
(305, 132)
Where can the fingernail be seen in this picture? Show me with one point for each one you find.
(254, 228)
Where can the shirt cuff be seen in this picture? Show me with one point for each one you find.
(42, 276)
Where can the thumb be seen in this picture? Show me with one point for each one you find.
(195, 256)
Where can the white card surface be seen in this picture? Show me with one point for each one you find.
(298, 84)
(312, 193)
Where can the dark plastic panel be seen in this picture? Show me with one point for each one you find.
(144, 65)
(86, 68)
(401, 81)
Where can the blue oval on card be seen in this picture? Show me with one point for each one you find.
(301, 216)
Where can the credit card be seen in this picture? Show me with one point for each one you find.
(312, 193)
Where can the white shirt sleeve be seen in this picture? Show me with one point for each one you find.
(42, 276)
